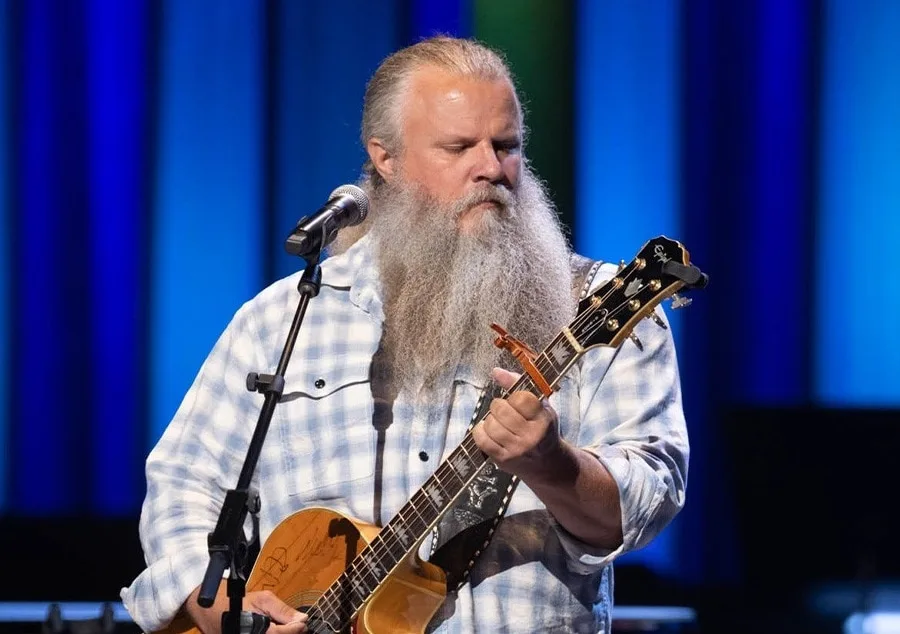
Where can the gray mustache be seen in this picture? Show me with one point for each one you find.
(498, 194)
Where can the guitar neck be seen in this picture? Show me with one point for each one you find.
(406, 530)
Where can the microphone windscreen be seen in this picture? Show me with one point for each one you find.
(358, 196)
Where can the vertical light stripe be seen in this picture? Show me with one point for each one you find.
(33, 488)
(536, 38)
(50, 318)
(698, 42)
(775, 225)
(5, 247)
(207, 214)
(117, 86)
(319, 96)
(626, 126)
(857, 338)
(627, 146)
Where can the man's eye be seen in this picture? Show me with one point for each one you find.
(455, 149)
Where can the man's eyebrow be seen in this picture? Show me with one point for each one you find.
(451, 137)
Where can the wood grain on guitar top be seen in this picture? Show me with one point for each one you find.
(308, 551)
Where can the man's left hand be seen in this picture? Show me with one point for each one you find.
(521, 432)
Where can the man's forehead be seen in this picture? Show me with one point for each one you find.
(433, 75)
(434, 91)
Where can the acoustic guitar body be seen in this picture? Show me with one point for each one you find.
(308, 551)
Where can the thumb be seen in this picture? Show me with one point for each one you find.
(271, 605)
(504, 378)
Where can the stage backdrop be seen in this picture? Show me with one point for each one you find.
(154, 155)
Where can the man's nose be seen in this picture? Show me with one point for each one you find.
(487, 166)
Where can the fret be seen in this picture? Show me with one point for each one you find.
(558, 356)
(410, 516)
(372, 564)
(394, 543)
(470, 451)
(341, 592)
(360, 588)
(426, 510)
(324, 623)
(349, 594)
(457, 467)
(434, 495)
(527, 385)
(339, 608)
(316, 621)
(448, 482)
(404, 536)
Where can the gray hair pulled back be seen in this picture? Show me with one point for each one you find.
(387, 87)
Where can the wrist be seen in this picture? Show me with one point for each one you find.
(554, 464)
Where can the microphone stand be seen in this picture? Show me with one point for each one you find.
(228, 545)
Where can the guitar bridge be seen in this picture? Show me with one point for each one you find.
(524, 355)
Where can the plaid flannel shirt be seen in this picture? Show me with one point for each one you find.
(623, 405)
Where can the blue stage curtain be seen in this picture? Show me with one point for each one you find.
(207, 219)
(50, 326)
(119, 65)
(6, 269)
(857, 359)
(747, 165)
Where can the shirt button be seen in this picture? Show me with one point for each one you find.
(320, 383)
(423, 456)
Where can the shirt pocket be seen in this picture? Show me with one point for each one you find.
(326, 433)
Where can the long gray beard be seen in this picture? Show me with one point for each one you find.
(443, 288)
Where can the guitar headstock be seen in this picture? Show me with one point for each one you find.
(661, 268)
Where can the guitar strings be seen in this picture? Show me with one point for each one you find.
(544, 363)
(382, 545)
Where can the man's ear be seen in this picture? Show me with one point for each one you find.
(382, 159)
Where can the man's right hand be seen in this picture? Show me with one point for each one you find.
(285, 619)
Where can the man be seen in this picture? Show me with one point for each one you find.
(391, 361)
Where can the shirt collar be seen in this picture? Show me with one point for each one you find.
(355, 271)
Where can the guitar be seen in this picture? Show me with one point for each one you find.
(346, 574)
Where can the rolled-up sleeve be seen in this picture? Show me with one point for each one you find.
(633, 422)
(196, 460)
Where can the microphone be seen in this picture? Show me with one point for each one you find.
(347, 206)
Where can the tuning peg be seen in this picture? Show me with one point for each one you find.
(636, 341)
(680, 302)
(659, 322)
(621, 266)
